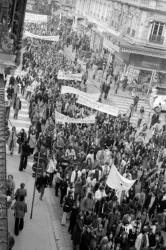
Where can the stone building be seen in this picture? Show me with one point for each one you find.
(132, 30)
(12, 14)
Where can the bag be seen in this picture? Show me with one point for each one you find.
(66, 208)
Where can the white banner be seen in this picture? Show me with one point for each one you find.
(71, 90)
(46, 38)
(118, 182)
(68, 76)
(98, 106)
(65, 119)
(35, 18)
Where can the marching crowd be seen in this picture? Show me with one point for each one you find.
(77, 158)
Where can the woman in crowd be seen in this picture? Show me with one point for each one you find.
(12, 140)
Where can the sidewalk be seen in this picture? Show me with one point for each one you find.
(37, 233)
(44, 231)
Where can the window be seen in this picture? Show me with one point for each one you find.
(156, 35)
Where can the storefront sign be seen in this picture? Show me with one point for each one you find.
(65, 119)
(35, 18)
(46, 38)
(147, 62)
(68, 76)
(98, 106)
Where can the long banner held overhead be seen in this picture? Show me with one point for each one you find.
(71, 90)
(65, 119)
(98, 106)
(35, 18)
(46, 38)
(68, 76)
(88, 100)
(118, 182)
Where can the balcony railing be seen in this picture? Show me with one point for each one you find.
(156, 39)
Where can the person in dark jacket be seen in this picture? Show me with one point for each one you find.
(77, 231)
(10, 91)
(63, 189)
(20, 208)
(22, 136)
(42, 183)
(25, 151)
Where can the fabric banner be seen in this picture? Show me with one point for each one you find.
(68, 76)
(35, 18)
(65, 119)
(98, 106)
(46, 38)
(116, 181)
(71, 90)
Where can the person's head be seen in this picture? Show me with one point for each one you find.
(13, 129)
(44, 174)
(89, 195)
(89, 161)
(22, 130)
(22, 185)
(10, 177)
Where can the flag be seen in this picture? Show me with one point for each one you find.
(116, 181)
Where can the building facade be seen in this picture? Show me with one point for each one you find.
(134, 31)
(12, 14)
(11, 29)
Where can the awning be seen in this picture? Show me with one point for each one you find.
(144, 51)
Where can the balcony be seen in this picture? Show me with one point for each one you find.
(156, 39)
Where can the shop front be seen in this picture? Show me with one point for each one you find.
(96, 40)
(149, 70)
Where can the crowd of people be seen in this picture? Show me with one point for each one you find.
(77, 158)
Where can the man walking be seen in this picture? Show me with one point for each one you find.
(135, 102)
(17, 107)
(42, 183)
(20, 208)
(25, 152)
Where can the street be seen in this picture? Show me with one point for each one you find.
(44, 230)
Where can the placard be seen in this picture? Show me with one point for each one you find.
(45, 38)
(68, 76)
(35, 18)
(66, 119)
